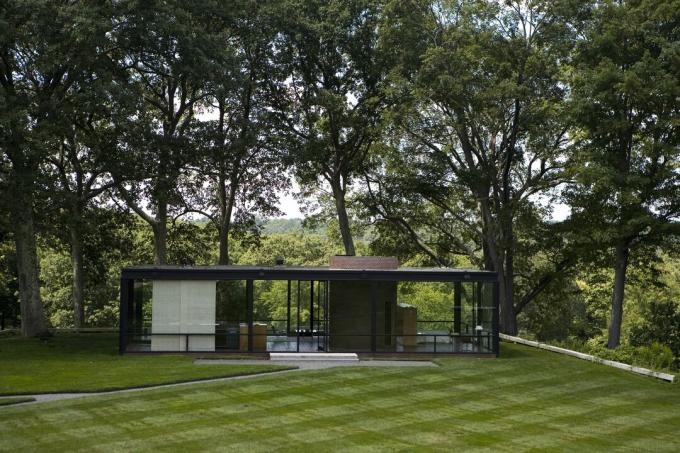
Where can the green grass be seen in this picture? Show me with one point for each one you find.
(15, 400)
(525, 400)
(90, 362)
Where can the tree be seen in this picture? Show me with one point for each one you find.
(39, 74)
(241, 159)
(79, 180)
(76, 172)
(626, 101)
(170, 64)
(105, 234)
(478, 129)
(329, 50)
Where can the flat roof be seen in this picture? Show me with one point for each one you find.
(233, 272)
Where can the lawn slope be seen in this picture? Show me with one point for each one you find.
(7, 401)
(90, 362)
(525, 400)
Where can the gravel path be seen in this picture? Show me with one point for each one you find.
(300, 364)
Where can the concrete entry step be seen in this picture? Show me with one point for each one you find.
(322, 356)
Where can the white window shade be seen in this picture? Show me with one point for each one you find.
(184, 308)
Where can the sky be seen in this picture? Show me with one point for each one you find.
(560, 212)
(289, 206)
(291, 209)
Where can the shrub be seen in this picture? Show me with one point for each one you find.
(656, 356)
(661, 325)
(598, 347)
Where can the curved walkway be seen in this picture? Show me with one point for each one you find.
(300, 364)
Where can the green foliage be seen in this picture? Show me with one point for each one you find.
(625, 87)
(120, 240)
(433, 301)
(660, 325)
(56, 291)
(279, 226)
(655, 356)
(561, 312)
(476, 131)
(575, 312)
(439, 132)
(231, 302)
(330, 52)
(598, 347)
(271, 303)
(129, 242)
(296, 249)
(9, 302)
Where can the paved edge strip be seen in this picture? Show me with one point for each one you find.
(15, 400)
(591, 358)
(293, 366)
(55, 396)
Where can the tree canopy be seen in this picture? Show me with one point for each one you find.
(447, 133)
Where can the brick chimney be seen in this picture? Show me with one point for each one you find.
(364, 262)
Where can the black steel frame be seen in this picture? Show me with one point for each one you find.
(305, 273)
(299, 274)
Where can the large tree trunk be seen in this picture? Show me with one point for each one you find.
(343, 219)
(32, 316)
(224, 245)
(160, 234)
(160, 238)
(488, 262)
(78, 276)
(620, 268)
(508, 316)
(498, 256)
(226, 201)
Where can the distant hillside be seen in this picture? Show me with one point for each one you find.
(278, 226)
(283, 226)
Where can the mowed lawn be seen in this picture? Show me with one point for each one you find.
(526, 400)
(90, 362)
(15, 400)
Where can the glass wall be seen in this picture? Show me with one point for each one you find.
(294, 314)
(445, 317)
(139, 316)
(231, 316)
(309, 316)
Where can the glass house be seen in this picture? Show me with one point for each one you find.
(253, 309)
